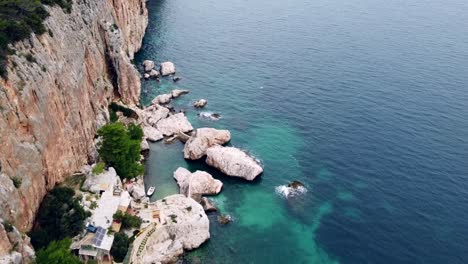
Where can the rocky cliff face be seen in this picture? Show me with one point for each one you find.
(56, 96)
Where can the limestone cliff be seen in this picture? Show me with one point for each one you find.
(56, 96)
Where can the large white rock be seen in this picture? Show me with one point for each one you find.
(162, 99)
(154, 113)
(137, 190)
(233, 162)
(148, 65)
(204, 138)
(101, 182)
(167, 68)
(197, 183)
(152, 134)
(174, 124)
(185, 227)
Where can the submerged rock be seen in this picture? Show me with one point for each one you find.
(292, 189)
(200, 103)
(174, 124)
(224, 219)
(176, 79)
(233, 162)
(167, 68)
(148, 65)
(210, 115)
(204, 138)
(295, 184)
(197, 183)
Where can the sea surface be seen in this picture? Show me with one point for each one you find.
(364, 101)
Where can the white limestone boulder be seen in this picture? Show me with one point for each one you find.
(233, 162)
(174, 124)
(204, 138)
(167, 68)
(197, 183)
(162, 99)
(152, 134)
(185, 226)
(148, 65)
(178, 92)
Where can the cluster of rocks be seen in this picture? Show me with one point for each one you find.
(165, 69)
(186, 224)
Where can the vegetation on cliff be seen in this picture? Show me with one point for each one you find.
(59, 216)
(57, 252)
(127, 220)
(120, 148)
(120, 246)
(18, 19)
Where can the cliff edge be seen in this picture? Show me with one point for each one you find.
(57, 93)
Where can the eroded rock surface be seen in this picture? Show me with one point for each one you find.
(152, 134)
(202, 139)
(51, 108)
(167, 68)
(233, 162)
(174, 124)
(185, 227)
(197, 183)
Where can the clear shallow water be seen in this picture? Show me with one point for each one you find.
(366, 102)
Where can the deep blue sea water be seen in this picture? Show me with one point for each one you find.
(364, 101)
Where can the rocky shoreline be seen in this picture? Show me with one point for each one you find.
(160, 122)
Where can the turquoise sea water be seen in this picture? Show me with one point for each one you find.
(366, 102)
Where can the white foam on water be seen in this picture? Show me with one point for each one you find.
(288, 192)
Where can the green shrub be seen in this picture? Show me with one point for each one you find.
(113, 116)
(120, 108)
(120, 149)
(8, 226)
(17, 181)
(127, 220)
(60, 215)
(98, 168)
(57, 252)
(93, 205)
(119, 247)
(30, 58)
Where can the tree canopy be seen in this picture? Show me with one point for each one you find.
(127, 220)
(120, 148)
(60, 215)
(57, 252)
(120, 247)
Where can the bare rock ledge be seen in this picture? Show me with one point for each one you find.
(233, 162)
